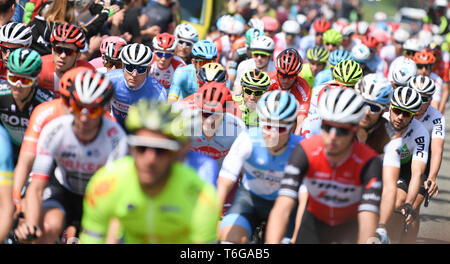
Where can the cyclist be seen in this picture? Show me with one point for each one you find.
(132, 82)
(254, 84)
(233, 29)
(185, 78)
(157, 199)
(288, 37)
(241, 54)
(320, 25)
(441, 68)
(341, 174)
(332, 40)
(12, 36)
(401, 70)
(361, 54)
(20, 94)
(100, 62)
(434, 122)
(79, 144)
(286, 78)
(187, 35)
(375, 63)
(165, 62)
(347, 37)
(412, 155)
(317, 62)
(111, 57)
(67, 40)
(424, 61)
(410, 47)
(6, 182)
(394, 50)
(261, 48)
(262, 152)
(333, 60)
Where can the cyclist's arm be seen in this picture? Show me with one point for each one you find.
(205, 217)
(232, 66)
(21, 172)
(6, 182)
(418, 165)
(368, 209)
(287, 196)
(437, 149)
(300, 119)
(6, 210)
(178, 80)
(231, 167)
(444, 97)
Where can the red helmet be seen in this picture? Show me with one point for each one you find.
(212, 96)
(321, 25)
(113, 50)
(424, 57)
(67, 80)
(165, 42)
(369, 41)
(289, 62)
(68, 33)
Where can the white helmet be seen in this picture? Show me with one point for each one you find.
(375, 88)
(441, 3)
(360, 53)
(257, 24)
(438, 39)
(362, 27)
(291, 27)
(425, 38)
(16, 33)
(380, 16)
(341, 105)
(92, 88)
(412, 44)
(401, 35)
(348, 30)
(402, 70)
(422, 84)
(263, 43)
(235, 27)
(137, 54)
(407, 98)
(301, 19)
(187, 32)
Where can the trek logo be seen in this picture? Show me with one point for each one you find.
(438, 125)
(420, 141)
(15, 120)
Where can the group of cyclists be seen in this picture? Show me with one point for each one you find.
(314, 130)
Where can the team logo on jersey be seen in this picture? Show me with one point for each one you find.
(100, 188)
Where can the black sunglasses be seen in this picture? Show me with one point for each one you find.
(426, 66)
(158, 151)
(188, 44)
(340, 131)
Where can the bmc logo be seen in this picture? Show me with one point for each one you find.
(14, 120)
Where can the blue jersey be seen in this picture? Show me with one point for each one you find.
(377, 65)
(323, 77)
(124, 96)
(6, 159)
(263, 171)
(206, 167)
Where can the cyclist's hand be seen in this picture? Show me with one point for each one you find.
(27, 232)
(408, 212)
(432, 188)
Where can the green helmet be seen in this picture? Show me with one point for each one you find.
(255, 79)
(347, 72)
(318, 53)
(251, 34)
(172, 120)
(331, 36)
(25, 61)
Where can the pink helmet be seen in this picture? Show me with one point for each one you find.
(111, 39)
(270, 23)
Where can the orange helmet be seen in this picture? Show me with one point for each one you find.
(369, 41)
(424, 57)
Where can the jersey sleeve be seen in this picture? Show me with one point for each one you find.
(205, 216)
(294, 173)
(371, 186)
(98, 205)
(6, 162)
(421, 146)
(392, 153)
(438, 130)
(306, 97)
(177, 84)
(240, 151)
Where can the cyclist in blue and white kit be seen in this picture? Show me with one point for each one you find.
(184, 82)
(6, 183)
(132, 83)
(263, 153)
(335, 57)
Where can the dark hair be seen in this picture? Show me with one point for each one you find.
(5, 5)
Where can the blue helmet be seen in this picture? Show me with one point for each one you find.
(338, 55)
(278, 106)
(375, 88)
(204, 49)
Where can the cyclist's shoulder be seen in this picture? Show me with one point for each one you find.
(177, 62)
(115, 75)
(43, 95)
(4, 88)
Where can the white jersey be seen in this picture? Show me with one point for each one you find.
(75, 162)
(164, 77)
(413, 146)
(434, 122)
(249, 64)
(438, 82)
(313, 122)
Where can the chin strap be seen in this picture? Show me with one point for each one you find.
(31, 94)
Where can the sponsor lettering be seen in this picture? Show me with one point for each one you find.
(15, 120)
(420, 141)
(438, 126)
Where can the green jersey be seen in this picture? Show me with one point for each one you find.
(184, 212)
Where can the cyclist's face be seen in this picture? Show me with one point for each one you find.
(84, 126)
(399, 121)
(134, 79)
(6, 50)
(152, 165)
(424, 70)
(424, 106)
(276, 134)
(19, 92)
(337, 144)
(261, 60)
(63, 61)
(183, 49)
(286, 83)
(211, 122)
(316, 67)
(319, 39)
(163, 62)
(369, 119)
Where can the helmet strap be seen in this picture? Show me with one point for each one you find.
(30, 95)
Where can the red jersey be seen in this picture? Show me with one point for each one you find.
(48, 78)
(442, 69)
(300, 90)
(2, 71)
